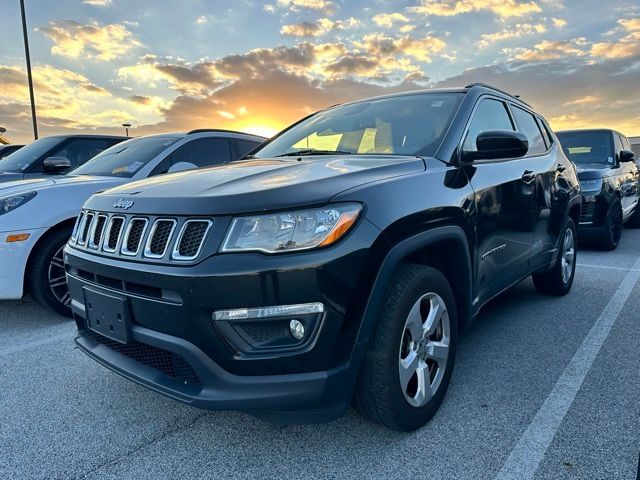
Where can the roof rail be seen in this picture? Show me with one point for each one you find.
(491, 87)
(219, 130)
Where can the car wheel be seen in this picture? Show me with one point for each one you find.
(559, 279)
(410, 358)
(611, 237)
(634, 221)
(47, 282)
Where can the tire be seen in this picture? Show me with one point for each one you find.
(46, 268)
(634, 221)
(613, 228)
(381, 395)
(559, 279)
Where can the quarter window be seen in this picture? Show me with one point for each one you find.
(527, 124)
(490, 115)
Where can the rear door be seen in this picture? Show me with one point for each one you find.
(548, 208)
(627, 177)
(504, 201)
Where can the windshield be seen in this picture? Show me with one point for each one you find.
(126, 158)
(588, 146)
(22, 159)
(404, 125)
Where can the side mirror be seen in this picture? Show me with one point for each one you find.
(56, 164)
(496, 144)
(627, 156)
(181, 166)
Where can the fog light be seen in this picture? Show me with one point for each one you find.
(297, 329)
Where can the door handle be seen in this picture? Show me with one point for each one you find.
(528, 176)
(561, 167)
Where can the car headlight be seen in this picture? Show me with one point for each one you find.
(14, 201)
(291, 231)
(591, 185)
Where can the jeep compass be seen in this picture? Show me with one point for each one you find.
(337, 263)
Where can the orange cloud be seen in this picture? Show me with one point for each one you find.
(502, 8)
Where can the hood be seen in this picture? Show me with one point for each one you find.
(257, 185)
(68, 181)
(10, 176)
(592, 171)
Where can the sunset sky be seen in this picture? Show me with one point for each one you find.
(258, 66)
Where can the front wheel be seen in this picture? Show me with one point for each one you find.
(410, 358)
(559, 279)
(47, 281)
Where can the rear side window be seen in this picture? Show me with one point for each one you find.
(203, 152)
(490, 115)
(245, 146)
(617, 143)
(545, 133)
(527, 124)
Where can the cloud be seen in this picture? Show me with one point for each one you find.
(559, 22)
(502, 8)
(103, 42)
(518, 30)
(319, 27)
(627, 46)
(549, 50)
(387, 20)
(201, 20)
(324, 6)
(98, 3)
(421, 49)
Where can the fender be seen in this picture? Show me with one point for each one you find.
(394, 257)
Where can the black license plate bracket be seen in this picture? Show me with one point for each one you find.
(108, 315)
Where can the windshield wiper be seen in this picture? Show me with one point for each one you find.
(313, 151)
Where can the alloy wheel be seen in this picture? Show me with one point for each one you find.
(568, 255)
(57, 279)
(424, 349)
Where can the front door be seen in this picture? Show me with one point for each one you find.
(504, 204)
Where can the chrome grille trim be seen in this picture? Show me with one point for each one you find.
(175, 254)
(94, 242)
(107, 234)
(74, 235)
(125, 238)
(147, 248)
(85, 229)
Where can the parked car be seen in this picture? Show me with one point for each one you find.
(340, 261)
(610, 181)
(54, 155)
(6, 150)
(37, 217)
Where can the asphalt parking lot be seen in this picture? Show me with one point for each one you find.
(543, 388)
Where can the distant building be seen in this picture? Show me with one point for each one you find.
(635, 146)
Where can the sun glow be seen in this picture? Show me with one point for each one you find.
(262, 130)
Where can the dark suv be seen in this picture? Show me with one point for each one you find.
(610, 181)
(54, 155)
(340, 261)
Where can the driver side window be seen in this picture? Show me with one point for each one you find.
(490, 115)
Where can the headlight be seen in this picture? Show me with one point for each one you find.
(14, 201)
(591, 185)
(291, 231)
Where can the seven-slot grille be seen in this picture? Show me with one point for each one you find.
(140, 236)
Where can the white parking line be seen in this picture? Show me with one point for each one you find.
(526, 456)
(608, 267)
(37, 343)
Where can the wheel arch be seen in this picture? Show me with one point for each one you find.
(421, 248)
(68, 223)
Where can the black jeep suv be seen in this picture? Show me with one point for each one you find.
(610, 182)
(340, 261)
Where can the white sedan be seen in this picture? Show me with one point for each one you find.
(37, 216)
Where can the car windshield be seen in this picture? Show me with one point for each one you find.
(22, 159)
(403, 125)
(587, 146)
(126, 158)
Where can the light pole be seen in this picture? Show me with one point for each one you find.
(29, 77)
(126, 128)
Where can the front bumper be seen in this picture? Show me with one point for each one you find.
(13, 262)
(176, 348)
